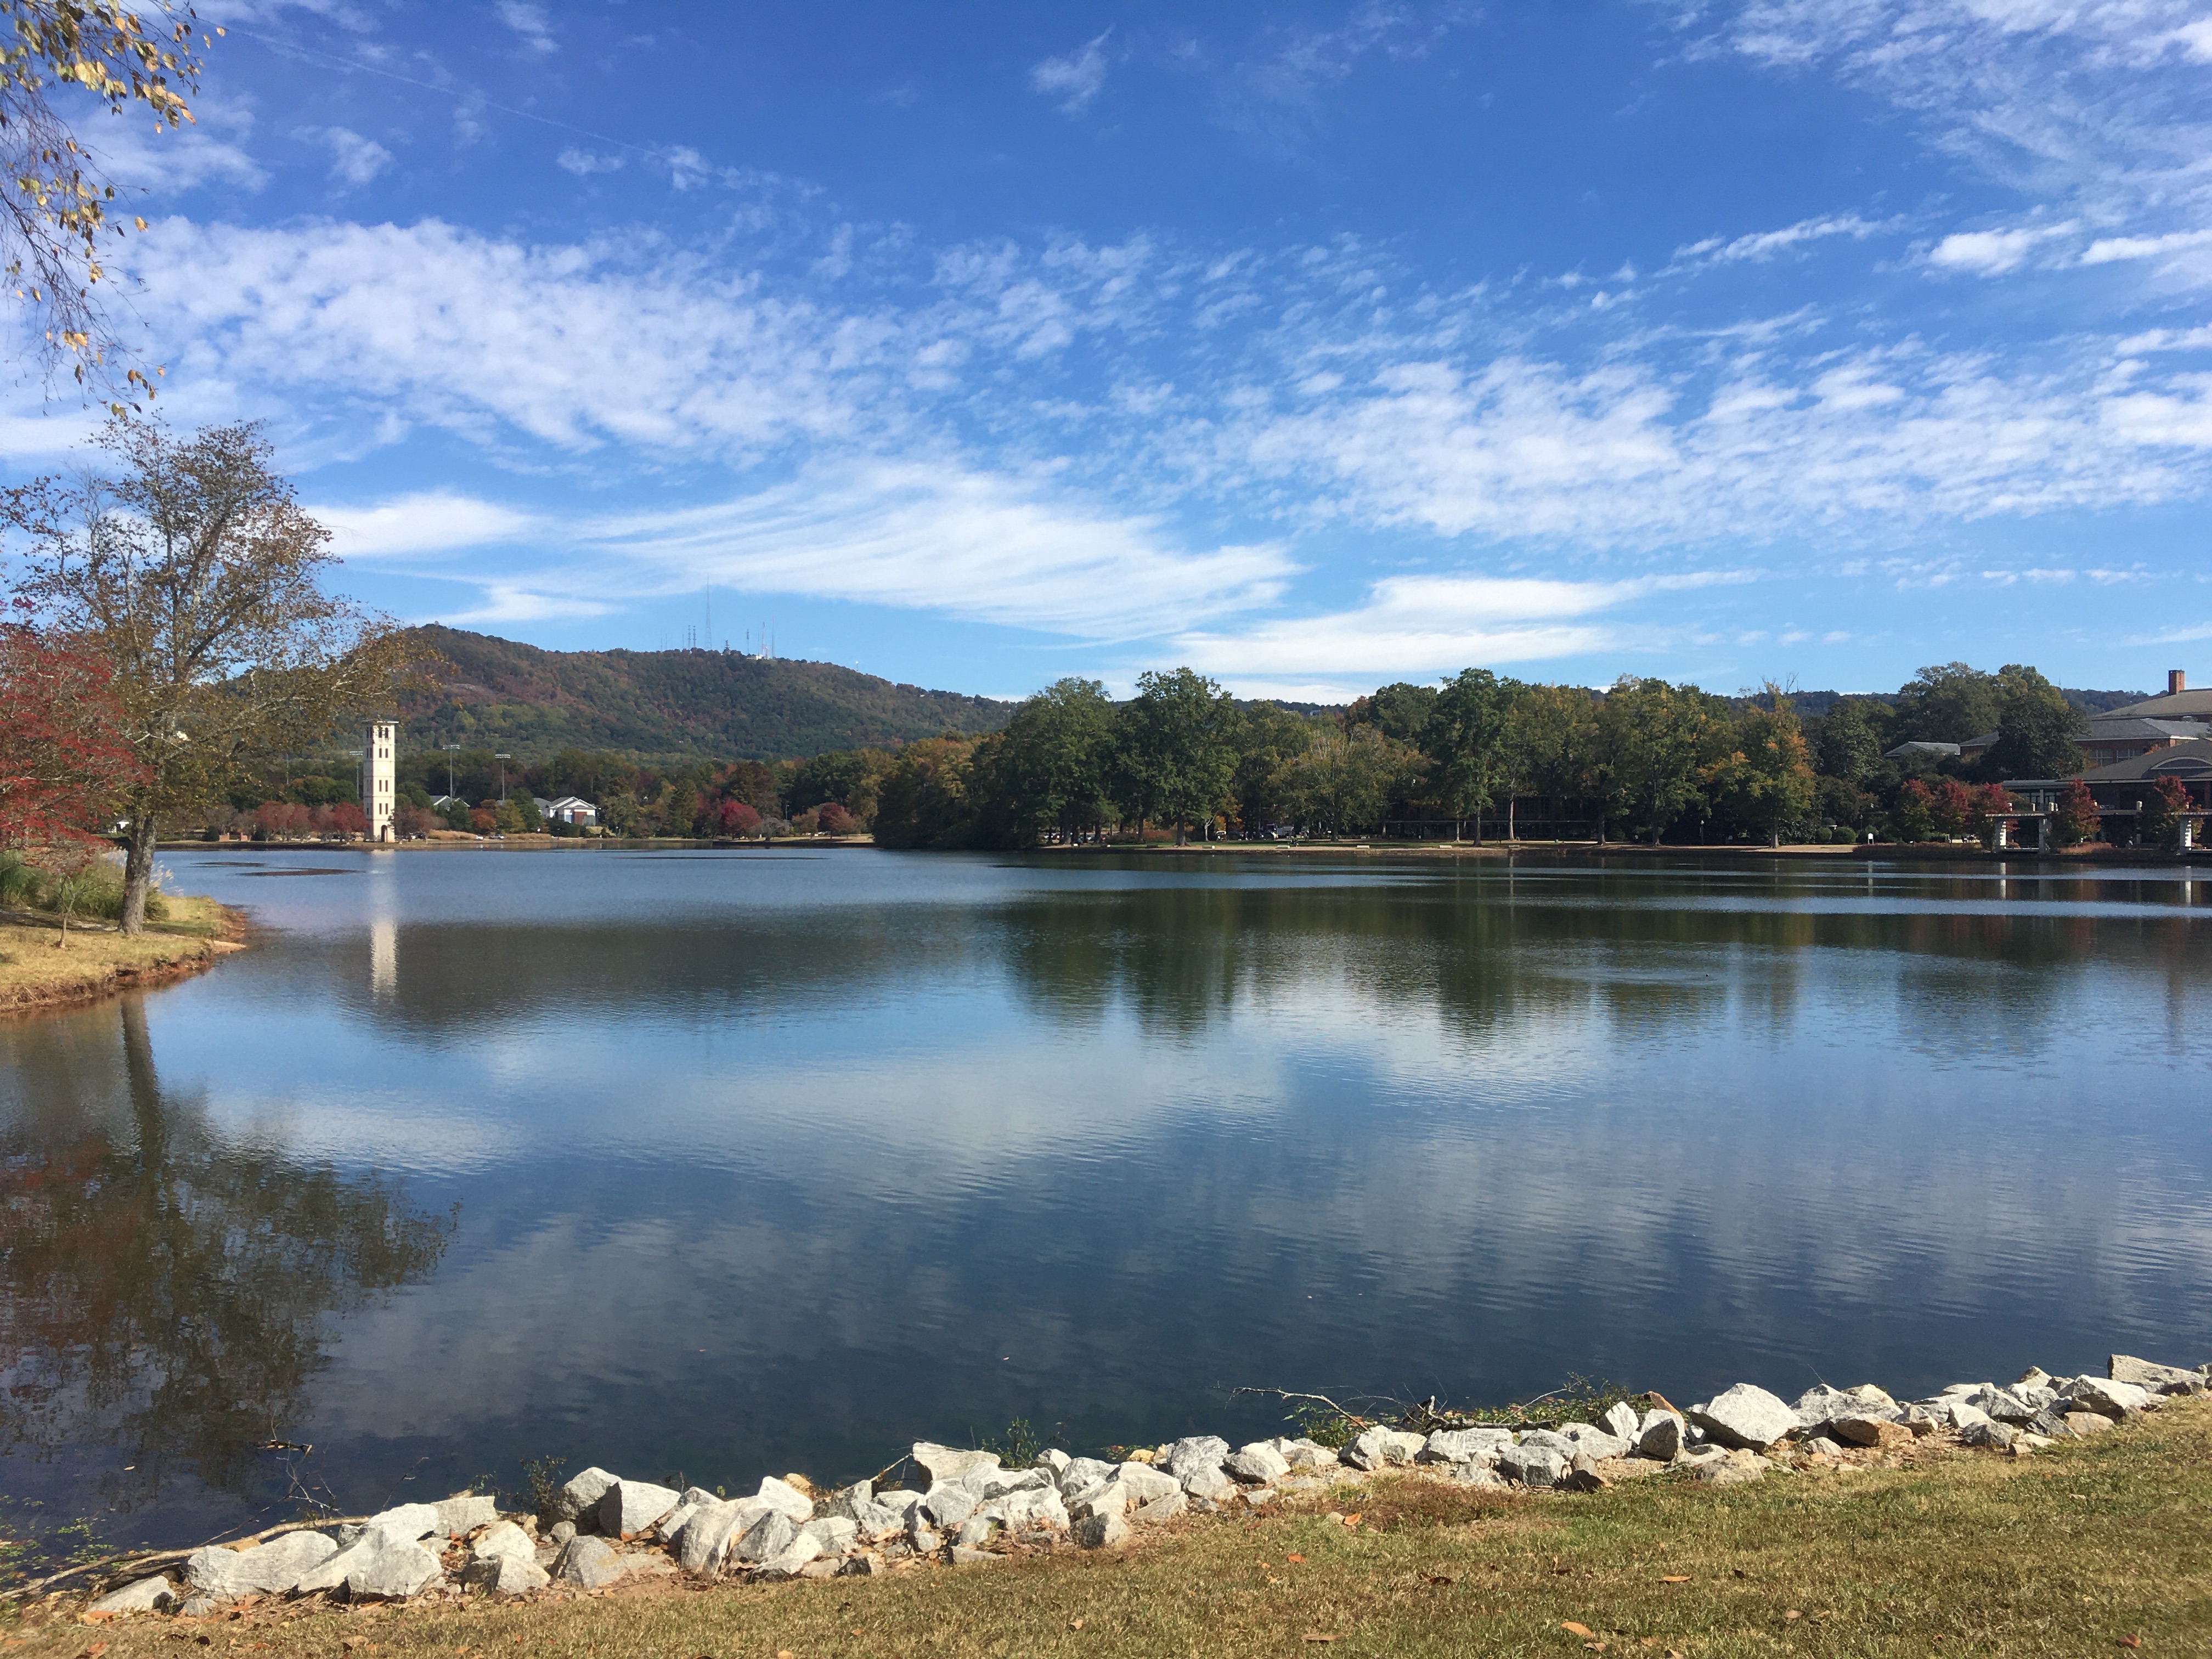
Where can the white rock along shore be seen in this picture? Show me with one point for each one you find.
(967, 1508)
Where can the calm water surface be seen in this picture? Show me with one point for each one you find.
(728, 1163)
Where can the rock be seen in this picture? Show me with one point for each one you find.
(1746, 1416)
(382, 1568)
(922, 1540)
(787, 1562)
(1660, 1436)
(2000, 1403)
(2085, 1423)
(1163, 1508)
(950, 1502)
(764, 1538)
(1733, 1467)
(505, 1575)
(942, 1463)
(1209, 1482)
(404, 1524)
(1595, 1443)
(1551, 1439)
(1082, 1473)
(631, 1507)
(975, 1533)
(1533, 1466)
(562, 1532)
(835, 1533)
(1028, 1509)
(964, 1557)
(704, 1543)
(1583, 1476)
(851, 1501)
(1196, 1451)
(505, 1539)
(1988, 1432)
(866, 1565)
(1258, 1463)
(1620, 1421)
(2158, 1379)
(1306, 1454)
(1374, 1448)
(1128, 1484)
(987, 1483)
(590, 1563)
(1869, 1431)
(581, 1495)
(694, 1499)
(787, 1500)
(147, 1596)
(1816, 1407)
(823, 1566)
(1474, 1475)
(1465, 1446)
(463, 1512)
(2105, 1397)
(1053, 1459)
(198, 1606)
(1102, 1529)
(1964, 1416)
(270, 1569)
(1821, 1446)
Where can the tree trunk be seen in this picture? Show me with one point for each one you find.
(1478, 823)
(1509, 804)
(138, 871)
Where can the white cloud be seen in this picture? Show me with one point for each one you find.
(355, 159)
(528, 20)
(1992, 253)
(508, 602)
(428, 521)
(2107, 249)
(945, 539)
(1414, 624)
(1073, 80)
(584, 163)
(1765, 245)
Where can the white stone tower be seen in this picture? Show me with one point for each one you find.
(378, 772)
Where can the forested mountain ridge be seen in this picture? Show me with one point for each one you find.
(663, 706)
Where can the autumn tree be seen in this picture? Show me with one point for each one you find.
(2162, 810)
(193, 571)
(1950, 806)
(1269, 739)
(1913, 815)
(2076, 819)
(64, 761)
(1551, 745)
(1765, 779)
(1465, 736)
(60, 59)
(1344, 779)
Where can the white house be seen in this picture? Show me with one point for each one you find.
(569, 809)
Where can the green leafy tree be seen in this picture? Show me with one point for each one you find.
(1950, 702)
(2038, 731)
(1850, 744)
(1271, 739)
(1175, 748)
(1344, 779)
(1764, 781)
(1466, 738)
(679, 809)
(1651, 739)
(1052, 770)
(923, 800)
(1401, 711)
(1551, 745)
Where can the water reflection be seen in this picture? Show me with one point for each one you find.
(769, 1164)
(163, 1290)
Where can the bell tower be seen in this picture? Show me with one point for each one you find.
(379, 771)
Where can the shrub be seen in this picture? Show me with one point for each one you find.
(2076, 819)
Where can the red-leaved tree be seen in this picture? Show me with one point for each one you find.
(2076, 819)
(834, 820)
(736, 818)
(1951, 803)
(1992, 801)
(64, 761)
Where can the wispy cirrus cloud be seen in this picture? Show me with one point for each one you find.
(1073, 80)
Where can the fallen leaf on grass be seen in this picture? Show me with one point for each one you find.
(1352, 1520)
(1439, 1578)
(1573, 1629)
(1072, 1624)
(1294, 1557)
(1675, 1578)
(2131, 1641)
(1316, 1636)
(1793, 1614)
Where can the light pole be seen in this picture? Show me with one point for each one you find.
(452, 749)
(502, 757)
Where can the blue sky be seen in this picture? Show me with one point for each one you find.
(1314, 345)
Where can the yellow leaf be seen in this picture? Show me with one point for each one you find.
(1573, 1629)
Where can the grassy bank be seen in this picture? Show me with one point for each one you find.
(2076, 1550)
(98, 959)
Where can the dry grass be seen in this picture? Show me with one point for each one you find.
(96, 959)
(2071, 1552)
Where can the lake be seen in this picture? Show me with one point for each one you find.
(725, 1164)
